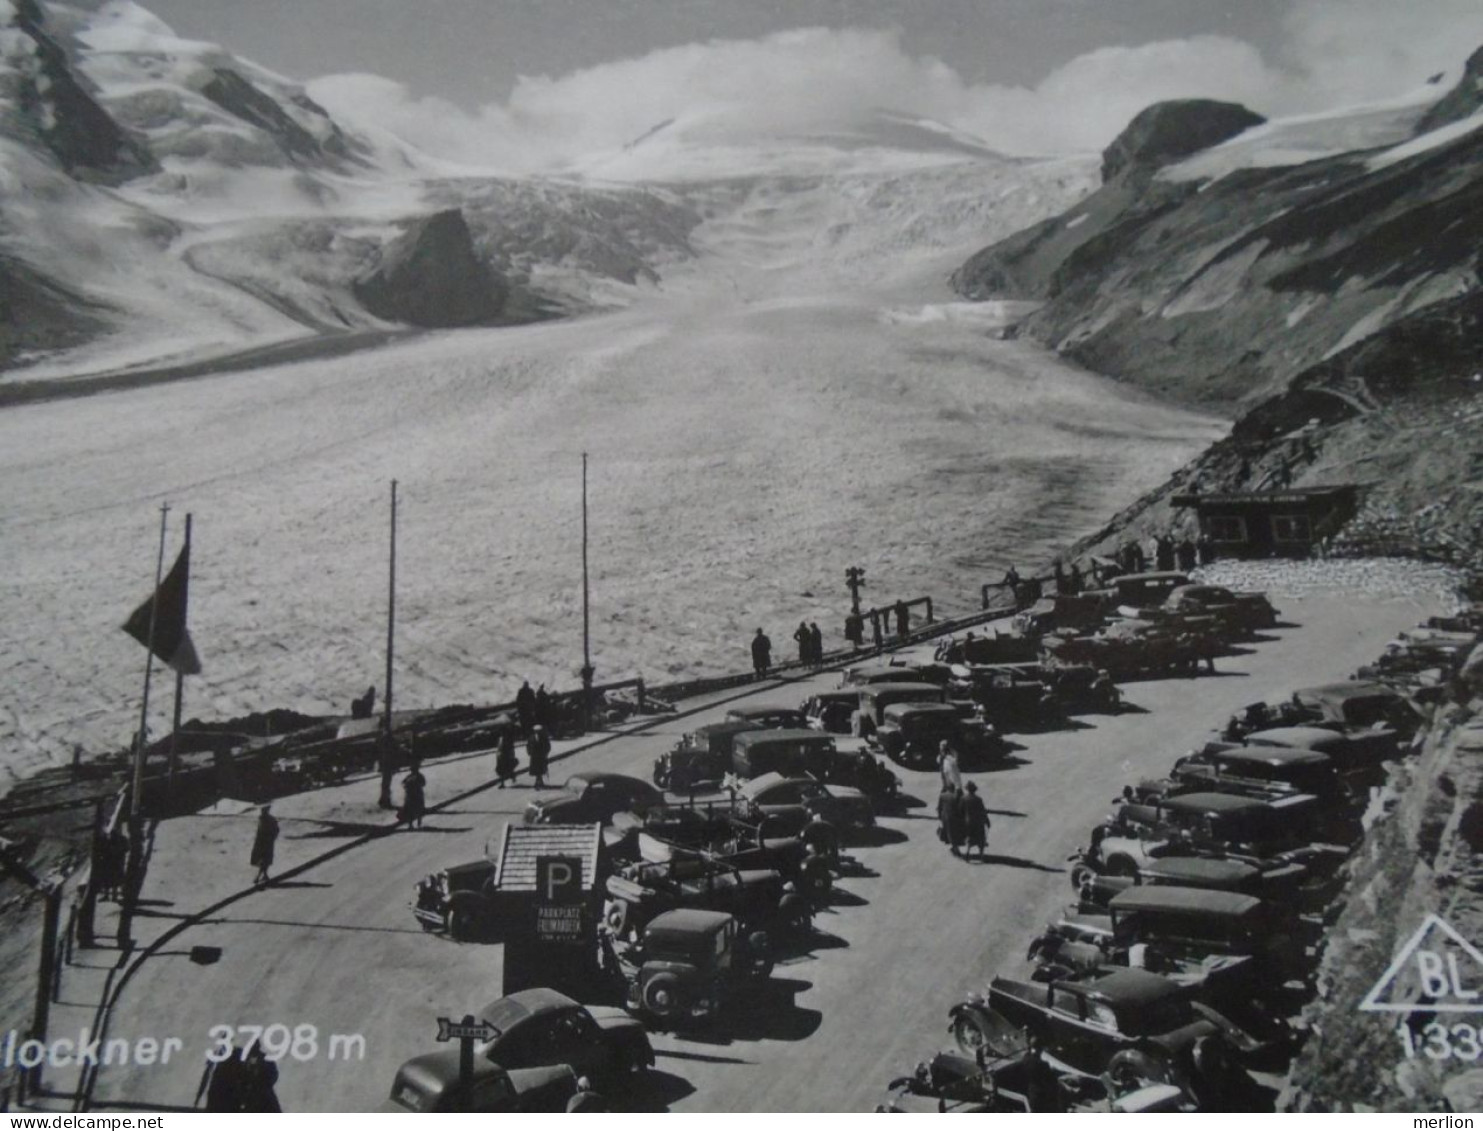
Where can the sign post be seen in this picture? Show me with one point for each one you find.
(559, 900)
(465, 1032)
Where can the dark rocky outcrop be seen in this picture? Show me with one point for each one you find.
(432, 276)
(68, 120)
(240, 98)
(1462, 101)
(1171, 131)
(36, 315)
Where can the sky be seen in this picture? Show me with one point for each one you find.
(537, 83)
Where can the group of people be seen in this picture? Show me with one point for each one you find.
(810, 644)
(962, 817)
(537, 754)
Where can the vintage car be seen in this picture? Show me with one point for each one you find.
(956, 1084)
(808, 753)
(432, 1083)
(1272, 880)
(1206, 823)
(877, 671)
(1418, 652)
(832, 712)
(702, 758)
(788, 806)
(686, 965)
(1010, 696)
(592, 797)
(1124, 1024)
(911, 733)
(539, 1027)
(1360, 704)
(1278, 769)
(995, 648)
(758, 898)
(1129, 649)
(1228, 944)
(1141, 590)
(1234, 614)
(774, 716)
(1358, 755)
(719, 832)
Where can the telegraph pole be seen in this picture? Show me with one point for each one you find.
(587, 671)
(179, 689)
(136, 794)
(390, 609)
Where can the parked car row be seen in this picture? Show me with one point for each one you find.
(1200, 904)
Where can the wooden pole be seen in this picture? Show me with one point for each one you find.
(390, 610)
(179, 688)
(587, 671)
(137, 793)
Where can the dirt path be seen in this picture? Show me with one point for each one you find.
(337, 947)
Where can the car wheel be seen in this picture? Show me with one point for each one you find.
(664, 996)
(1082, 875)
(1122, 866)
(977, 1030)
(464, 917)
(615, 917)
(1132, 1069)
(662, 776)
(795, 913)
(759, 956)
(816, 878)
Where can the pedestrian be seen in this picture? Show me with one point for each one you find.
(387, 761)
(975, 820)
(875, 629)
(1205, 549)
(414, 796)
(903, 619)
(947, 765)
(1075, 582)
(854, 630)
(223, 1082)
(1186, 554)
(259, 1081)
(263, 841)
(505, 766)
(525, 708)
(1138, 560)
(862, 724)
(801, 634)
(761, 653)
(541, 709)
(114, 858)
(816, 643)
(1164, 552)
(1011, 585)
(537, 751)
(947, 804)
(1058, 571)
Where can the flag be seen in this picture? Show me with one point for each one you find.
(172, 641)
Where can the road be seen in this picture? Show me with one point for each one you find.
(336, 947)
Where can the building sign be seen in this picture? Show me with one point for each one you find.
(559, 899)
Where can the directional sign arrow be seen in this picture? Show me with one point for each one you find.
(465, 1030)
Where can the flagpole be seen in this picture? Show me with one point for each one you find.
(587, 671)
(391, 609)
(137, 792)
(179, 689)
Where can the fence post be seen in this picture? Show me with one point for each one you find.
(640, 685)
(41, 1018)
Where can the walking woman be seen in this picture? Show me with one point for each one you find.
(414, 796)
(263, 841)
(505, 766)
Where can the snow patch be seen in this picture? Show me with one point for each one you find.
(1426, 142)
(1078, 221)
(995, 315)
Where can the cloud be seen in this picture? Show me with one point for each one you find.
(1334, 52)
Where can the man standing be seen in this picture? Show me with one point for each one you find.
(947, 818)
(537, 751)
(542, 707)
(975, 821)
(761, 653)
(504, 761)
(801, 635)
(525, 708)
(414, 796)
(947, 765)
(903, 620)
(263, 841)
(854, 630)
(816, 643)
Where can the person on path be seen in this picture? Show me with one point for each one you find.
(1164, 552)
(876, 631)
(816, 643)
(387, 760)
(537, 751)
(801, 634)
(414, 796)
(975, 820)
(1058, 571)
(761, 653)
(505, 765)
(259, 1081)
(947, 802)
(947, 765)
(1186, 554)
(903, 620)
(543, 707)
(263, 841)
(854, 630)
(525, 708)
(1074, 581)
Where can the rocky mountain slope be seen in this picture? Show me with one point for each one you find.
(1319, 277)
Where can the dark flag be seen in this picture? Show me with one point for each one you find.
(172, 641)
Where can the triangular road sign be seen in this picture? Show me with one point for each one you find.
(1437, 971)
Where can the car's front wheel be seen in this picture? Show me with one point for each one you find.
(663, 996)
(978, 1031)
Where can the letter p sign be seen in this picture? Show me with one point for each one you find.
(559, 879)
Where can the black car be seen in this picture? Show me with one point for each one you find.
(593, 797)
